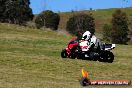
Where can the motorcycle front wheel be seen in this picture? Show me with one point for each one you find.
(64, 54)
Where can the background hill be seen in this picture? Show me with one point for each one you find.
(30, 58)
(102, 16)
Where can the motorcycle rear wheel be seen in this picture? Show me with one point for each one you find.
(110, 57)
(106, 56)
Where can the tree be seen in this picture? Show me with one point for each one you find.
(119, 27)
(107, 32)
(80, 22)
(16, 11)
(2, 9)
(47, 19)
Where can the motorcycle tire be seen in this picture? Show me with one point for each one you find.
(106, 56)
(110, 57)
(64, 54)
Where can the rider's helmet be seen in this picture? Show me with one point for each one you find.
(86, 35)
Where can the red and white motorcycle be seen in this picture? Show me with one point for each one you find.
(81, 50)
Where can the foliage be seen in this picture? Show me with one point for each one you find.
(15, 11)
(119, 27)
(80, 22)
(107, 32)
(2, 9)
(47, 19)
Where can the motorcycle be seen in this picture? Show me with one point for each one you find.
(79, 49)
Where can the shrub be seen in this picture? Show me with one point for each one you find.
(107, 32)
(80, 22)
(15, 11)
(119, 33)
(47, 19)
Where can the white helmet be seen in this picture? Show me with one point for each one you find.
(86, 35)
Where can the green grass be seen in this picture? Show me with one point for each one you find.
(30, 58)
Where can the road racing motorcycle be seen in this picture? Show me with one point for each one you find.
(79, 49)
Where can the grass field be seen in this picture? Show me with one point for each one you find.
(30, 58)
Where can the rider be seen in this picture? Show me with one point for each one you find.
(92, 40)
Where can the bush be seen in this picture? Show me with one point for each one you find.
(15, 11)
(80, 22)
(119, 33)
(47, 19)
(107, 32)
